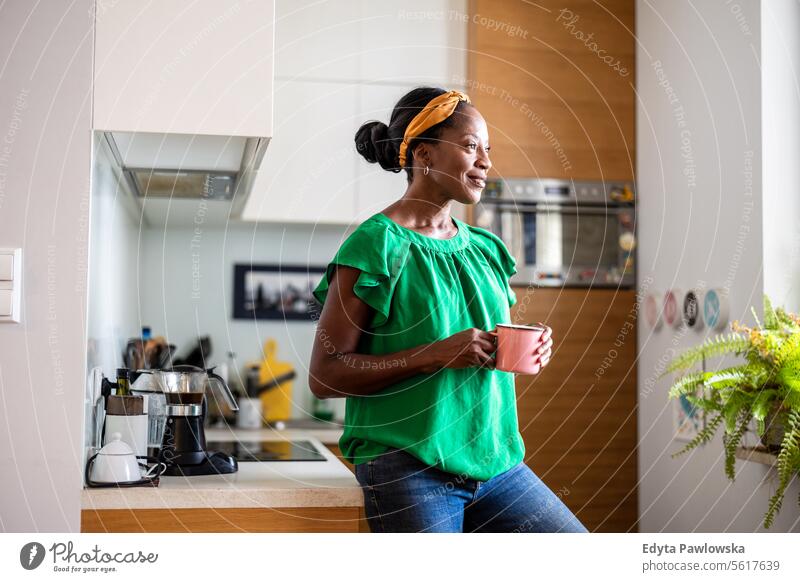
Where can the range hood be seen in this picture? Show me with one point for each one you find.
(177, 167)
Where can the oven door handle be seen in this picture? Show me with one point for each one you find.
(554, 206)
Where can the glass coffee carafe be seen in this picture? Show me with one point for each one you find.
(187, 385)
(180, 385)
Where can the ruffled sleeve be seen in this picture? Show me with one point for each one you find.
(496, 253)
(380, 256)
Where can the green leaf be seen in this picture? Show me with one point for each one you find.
(755, 316)
(787, 351)
(687, 385)
(702, 437)
(728, 378)
(731, 442)
(788, 464)
(715, 346)
(704, 404)
(770, 318)
(732, 409)
(764, 403)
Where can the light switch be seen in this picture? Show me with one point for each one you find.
(6, 302)
(10, 285)
(6, 267)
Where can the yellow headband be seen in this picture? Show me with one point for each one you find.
(437, 110)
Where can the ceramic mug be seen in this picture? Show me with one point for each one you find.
(516, 346)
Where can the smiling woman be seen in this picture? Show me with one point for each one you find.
(409, 302)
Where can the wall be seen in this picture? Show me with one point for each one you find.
(45, 163)
(780, 95)
(187, 290)
(699, 168)
(114, 264)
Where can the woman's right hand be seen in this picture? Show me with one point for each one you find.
(466, 349)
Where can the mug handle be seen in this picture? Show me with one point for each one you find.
(494, 333)
(159, 469)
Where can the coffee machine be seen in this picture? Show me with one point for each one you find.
(183, 448)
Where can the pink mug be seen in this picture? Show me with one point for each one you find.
(516, 345)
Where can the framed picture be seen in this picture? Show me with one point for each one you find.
(275, 291)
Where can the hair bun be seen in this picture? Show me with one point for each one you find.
(374, 143)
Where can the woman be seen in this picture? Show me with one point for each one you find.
(408, 302)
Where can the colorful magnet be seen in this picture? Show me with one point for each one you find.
(652, 311)
(691, 310)
(672, 310)
(715, 309)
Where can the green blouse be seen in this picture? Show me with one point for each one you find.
(422, 289)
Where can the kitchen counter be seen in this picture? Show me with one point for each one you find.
(261, 496)
(256, 484)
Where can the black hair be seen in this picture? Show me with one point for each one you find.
(380, 143)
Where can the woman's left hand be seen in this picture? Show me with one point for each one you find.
(544, 351)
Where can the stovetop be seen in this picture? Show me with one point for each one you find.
(285, 450)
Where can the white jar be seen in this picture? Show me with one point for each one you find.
(250, 413)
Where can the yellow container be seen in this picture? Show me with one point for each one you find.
(276, 402)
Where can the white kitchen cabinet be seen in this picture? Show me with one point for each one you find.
(309, 172)
(414, 42)
(317, 40)
(338, 64)
(417, 42)
(199, 67)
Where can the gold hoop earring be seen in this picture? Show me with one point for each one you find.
(427, 169)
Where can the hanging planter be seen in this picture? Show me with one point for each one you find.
(764, 387)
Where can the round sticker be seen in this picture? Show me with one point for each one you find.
(691, 310)
(672, 313)
(652, 311)
(715, 309)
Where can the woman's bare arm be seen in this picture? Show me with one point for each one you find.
(336, 370)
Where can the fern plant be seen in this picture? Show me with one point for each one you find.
(765, 383)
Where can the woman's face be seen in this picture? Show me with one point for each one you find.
(459, 162)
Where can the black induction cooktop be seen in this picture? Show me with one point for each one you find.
(244, 451)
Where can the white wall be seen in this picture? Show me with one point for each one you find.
(114, 265)
(700, 224)
(113, 271)
(780, 59)
(45, 163)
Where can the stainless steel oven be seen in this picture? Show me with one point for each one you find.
(564, 233)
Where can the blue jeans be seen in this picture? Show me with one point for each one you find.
(403, 494)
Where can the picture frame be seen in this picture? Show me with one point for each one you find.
(274, 291)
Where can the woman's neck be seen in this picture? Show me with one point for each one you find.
(423, 211)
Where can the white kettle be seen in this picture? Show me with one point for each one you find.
(116, 465)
